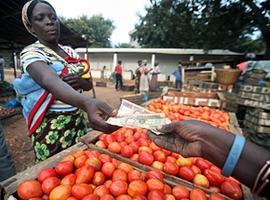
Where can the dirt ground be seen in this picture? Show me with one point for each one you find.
(15, 128)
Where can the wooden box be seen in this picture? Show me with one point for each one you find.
(194, 98)
(254, 96)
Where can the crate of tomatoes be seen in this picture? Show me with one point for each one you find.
(179, 112)
(134, 147)
(84, 173)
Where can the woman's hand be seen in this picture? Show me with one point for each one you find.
(77, 82)
(97, 112)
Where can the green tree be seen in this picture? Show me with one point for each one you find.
(96, 29)
(123, 45)
(207, 24)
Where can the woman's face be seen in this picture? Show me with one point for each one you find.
(45, 23)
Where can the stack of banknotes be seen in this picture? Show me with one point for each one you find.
(134, 116)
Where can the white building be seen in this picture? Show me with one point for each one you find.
(167, 58)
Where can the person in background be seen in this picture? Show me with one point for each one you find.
(51, 85)
(118, 76)
(237, 157)
(103, 72)
(178, 76)
(7, 166)
(2, 66)
(144, 80)
(154, 79)
(137, 78)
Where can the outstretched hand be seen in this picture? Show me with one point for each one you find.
(97, 112)
(186, 137)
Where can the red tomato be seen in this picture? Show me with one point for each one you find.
(108, 139)
(94, 162)
(101, 190)
(134, 146)
(29, 189)
(118, 187)
(139, 197)
(154, 184)
(69, 179)
(84, 174)
(214, 178)
(160, 156)
(202, 164)
(119, 174)
(105, 158)
(127, 151)
(108, 169)
(134, 175)
(79, 161)
(137, 187)
(81, 190)
(180, 192)
(231, 189)
(45, 173)
(61, 192)
(158, 165)
(154, 174)
(91, 154)
(100, 144)
(195, 169)
(91, 197)
(107, 197)
(156, 195)
(197, 194)
(186, 173)
(216, 196)
(108, 183)
(49, 183)
(123, 197)
(146, 158)
(64, 168)
(98, 178)
(171, 168)
(167, 189)
(114, 147)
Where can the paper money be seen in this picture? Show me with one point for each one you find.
(147, 121)
(134, 116)
(129, 108)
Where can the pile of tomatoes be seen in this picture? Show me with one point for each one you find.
(89, 175)
(178, 112)
(135, 144)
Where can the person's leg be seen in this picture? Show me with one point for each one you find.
(121, 81)
(117, 81)
(176, 84)
(7, 166)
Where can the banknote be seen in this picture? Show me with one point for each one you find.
(129, 108)
(147, 121)
(135, 116)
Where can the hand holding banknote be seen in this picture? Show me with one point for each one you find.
(134, 116)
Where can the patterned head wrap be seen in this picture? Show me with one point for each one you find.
(25, 19)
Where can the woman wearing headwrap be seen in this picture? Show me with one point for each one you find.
(49, 88)
(144, 80)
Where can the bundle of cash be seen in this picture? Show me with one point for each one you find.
(134, 116)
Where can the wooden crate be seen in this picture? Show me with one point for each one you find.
(9, 186)
(254, 96)
(138, 98)
(211, 99)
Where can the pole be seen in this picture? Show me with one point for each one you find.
(93, 88)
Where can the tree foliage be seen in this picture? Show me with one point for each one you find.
(96, 29)
(123, 45)
(207, 24)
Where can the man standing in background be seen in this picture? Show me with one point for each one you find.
(178, 76)
(137, 77)
(118, 76)
(2, 73)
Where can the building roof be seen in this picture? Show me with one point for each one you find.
(13, 35)
(159, 51)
